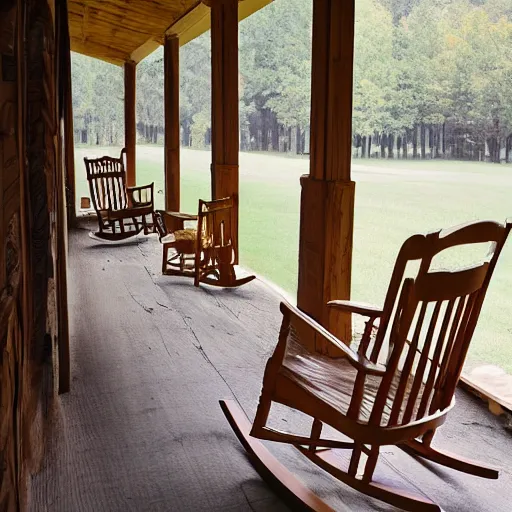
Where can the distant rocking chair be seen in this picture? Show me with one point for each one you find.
(122, 211)
(205, 252)
(395, 390)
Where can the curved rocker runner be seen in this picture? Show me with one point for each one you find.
(396, 388)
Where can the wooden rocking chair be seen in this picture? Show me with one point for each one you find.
(205, 252)
(396, 389)
(122, 211)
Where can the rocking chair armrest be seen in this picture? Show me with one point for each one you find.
(360, 308)
(358, 361)
(131, 194)
(172, 221)
(140, 187)
(181, 215)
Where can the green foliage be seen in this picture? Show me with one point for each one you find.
(417, 62)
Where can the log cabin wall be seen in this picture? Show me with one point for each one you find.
(10, 260)
(30, 154)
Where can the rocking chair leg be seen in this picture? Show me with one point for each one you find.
(262, 412)
(316, 431)
(164, 259)
(417, 448)
(370, 464)
(354, 461)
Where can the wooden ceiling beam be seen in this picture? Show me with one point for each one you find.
(139, 10)
(197, 21)
(105, 29)
(99, 51)
(144, 50)
(191, 25)
(102, 26)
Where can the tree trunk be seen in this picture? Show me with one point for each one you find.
(438, 141)
(398, 146)
(264, 130)
(186, 134)
(275, 133)
(369, 146)
(415, 142)
(383, 140)
(423, 141)
(431, 140)
(443, 140)
(391, 143)
(405, 141)
(363, 146)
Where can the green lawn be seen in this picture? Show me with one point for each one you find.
(394, 199)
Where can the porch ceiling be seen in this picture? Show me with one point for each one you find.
(117, 31)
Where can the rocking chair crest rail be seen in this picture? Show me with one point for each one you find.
(398, 386)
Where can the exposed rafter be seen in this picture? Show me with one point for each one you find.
(99, 51)
(117, 31)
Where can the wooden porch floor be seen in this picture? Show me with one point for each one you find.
(142, 430)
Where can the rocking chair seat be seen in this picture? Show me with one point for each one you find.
(126, 213)
(331, 381)
(184, 235)
(180, 235)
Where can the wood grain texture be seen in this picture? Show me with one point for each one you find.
(225, 119)
(327, 199)
(116, 30)
(65, 171)
(69, 143)
(325, 252)
(172, 123)
(339, 93)
(130, 132)
(151, 357)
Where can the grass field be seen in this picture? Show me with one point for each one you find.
(394, 199)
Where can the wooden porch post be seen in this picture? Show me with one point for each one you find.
(327, 198)
(225, 126)
(172, 123)
(69, 142)
(130, 133)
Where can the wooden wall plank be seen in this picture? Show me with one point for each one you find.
(172, 123)
(130, 133)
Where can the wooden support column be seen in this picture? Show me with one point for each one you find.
(327, 198)
(69, 142)
(130, 133)
(65, 191)
(225, 125)
(172, 123)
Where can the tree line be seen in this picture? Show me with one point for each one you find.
(432, 79)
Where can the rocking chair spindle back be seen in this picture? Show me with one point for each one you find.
(106, 176)
(399, 386)
(122, 211)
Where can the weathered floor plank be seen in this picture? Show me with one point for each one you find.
(142, 429)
